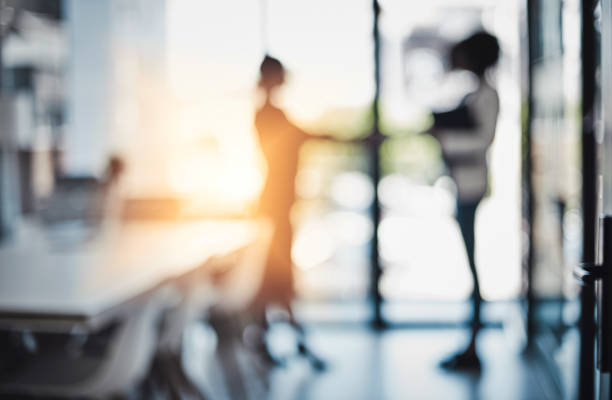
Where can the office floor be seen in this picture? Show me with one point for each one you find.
(397, 363)
(394, 364)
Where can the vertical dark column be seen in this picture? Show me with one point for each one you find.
(589, 199)
(589, 153)
(376, 272)
(528, 189)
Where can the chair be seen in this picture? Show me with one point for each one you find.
(124, 362)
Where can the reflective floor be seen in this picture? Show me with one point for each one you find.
(395, 364)
(401, 362)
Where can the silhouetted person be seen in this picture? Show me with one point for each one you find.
(465, 135)
(280, 142)
(114, 170)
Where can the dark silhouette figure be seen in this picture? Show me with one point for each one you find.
(114, 170)
(465, 135)
(280, 142)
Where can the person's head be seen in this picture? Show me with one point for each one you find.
(476, 53)
(271, 74)
(114, 169)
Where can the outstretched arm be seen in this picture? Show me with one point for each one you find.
(370, 140)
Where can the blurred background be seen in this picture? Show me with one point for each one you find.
(169, 88)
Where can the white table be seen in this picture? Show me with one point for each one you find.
(120, 273)
(42, 279)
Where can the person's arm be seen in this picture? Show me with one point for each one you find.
(304, 135)
(307, 135)
(369, 140)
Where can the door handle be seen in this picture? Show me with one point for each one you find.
(588, 273)
(595, 279)
(604, 294)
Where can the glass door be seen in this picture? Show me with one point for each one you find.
(552, 183)
(596, 320)
(602, 14)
